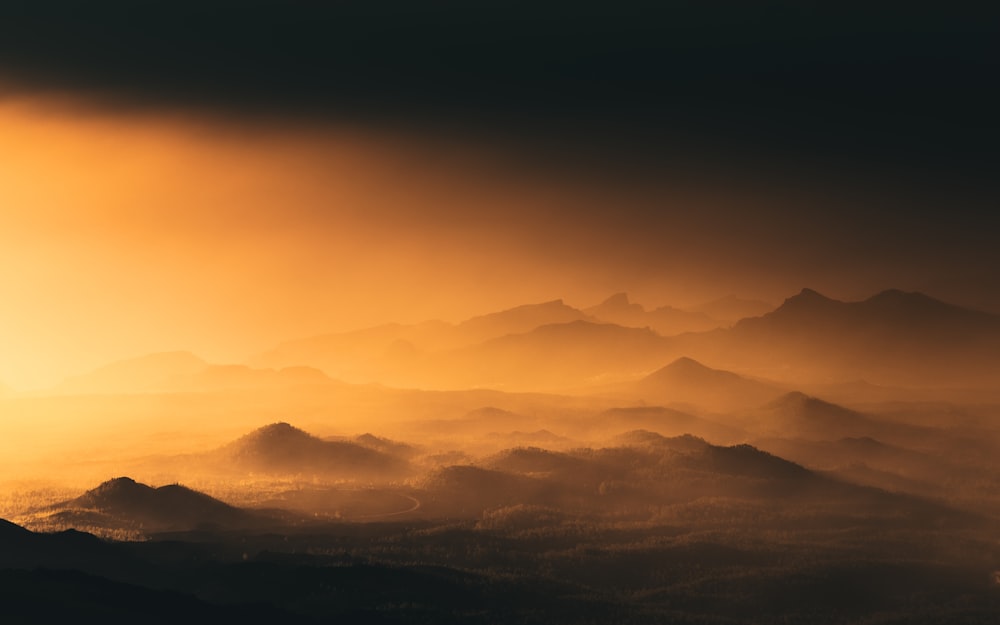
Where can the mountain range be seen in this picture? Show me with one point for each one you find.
(891, 339)
(166, 372)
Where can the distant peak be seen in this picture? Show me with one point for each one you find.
(618, 299)
(896, 295)
(555, 303)
(123, 486)
(685, 362)
(808, 293)
(792, 398)
(279, 428)
(118, 481)
(806, 298)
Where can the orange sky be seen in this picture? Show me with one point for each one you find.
(123, 235)
(127, 232)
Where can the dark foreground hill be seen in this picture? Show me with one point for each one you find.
(124, 504)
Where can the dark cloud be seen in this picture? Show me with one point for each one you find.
(891, 87)
(873, 126)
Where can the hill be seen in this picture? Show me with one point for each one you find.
(799, 415)
(686, 380)
(664, 421)
(123, 503)
(281, 449)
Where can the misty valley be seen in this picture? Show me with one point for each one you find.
(815, 462)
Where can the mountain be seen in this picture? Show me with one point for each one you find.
(916, 469)
(731, 308)
(384, 445)
(553, 357)
(397, 353)
(135, 375)
(467, 490)
(796, 414)
(361, 355)
(518, 320)
(892, 338)
(686, 443)
(281, 449)
(664, 421)
(184, 372)
(241, 377)
(665, 320)
(686, 380)
(9, 531)
(748, 461)
(123, 502)
(534, 460)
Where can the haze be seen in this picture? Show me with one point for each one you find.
(126, 232)
(498, 313)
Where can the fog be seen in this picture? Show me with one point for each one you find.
(482, 314)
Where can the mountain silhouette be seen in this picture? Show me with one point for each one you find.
(888, 459)
(554, 357)
(467, 490)
(747, 460)
(731, 309)
(393, 448)
(892, 338)
(135, 375)
(665, 320)
(796, 414)
(10, 530)
(685, 443)
(282, 449)
(686, 380)
(664, 421)
(397, 353)
(242, 377)
(127, 503)
(530, 460)
(519, 320)
(360, 355)
(185, 372)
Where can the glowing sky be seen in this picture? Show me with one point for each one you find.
(146, 205)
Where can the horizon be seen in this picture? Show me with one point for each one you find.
(499, 312)
(53, 383)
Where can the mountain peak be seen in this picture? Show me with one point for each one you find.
(793, 398)
(685, 363)
(809, 295)
(805, 301)
(120, 485)
(276, 431)
(617, 300)
(617, 304)
(896, 297)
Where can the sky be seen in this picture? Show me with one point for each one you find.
(223, 176)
